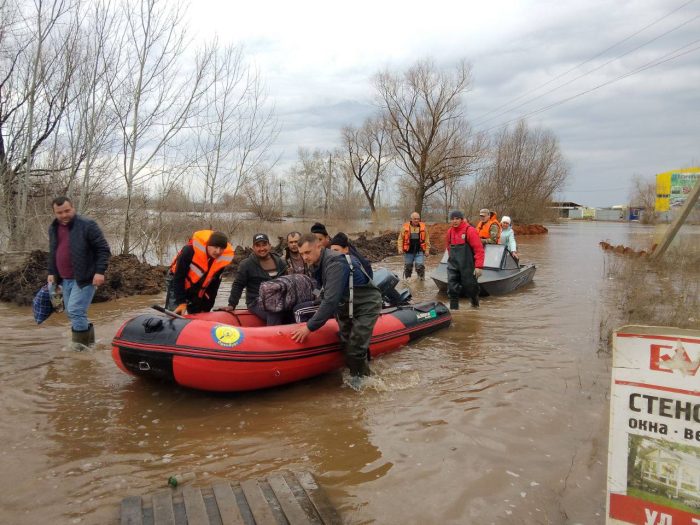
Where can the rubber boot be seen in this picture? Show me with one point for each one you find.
(420, 270)
(407, 270)
(358, 367)
(81, 340)
(91, 334)
(454, 304)
(475, 301)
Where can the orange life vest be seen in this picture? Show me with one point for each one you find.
(200, 271)
(483, 227)
(407, 236)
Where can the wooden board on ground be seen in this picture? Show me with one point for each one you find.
(283, 498)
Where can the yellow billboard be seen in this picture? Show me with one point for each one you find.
(673, 187)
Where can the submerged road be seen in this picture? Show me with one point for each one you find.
(502, 418)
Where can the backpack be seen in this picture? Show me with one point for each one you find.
(284, 292)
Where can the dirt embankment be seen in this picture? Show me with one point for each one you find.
(126, 276)
(625, 250)
(437, 233)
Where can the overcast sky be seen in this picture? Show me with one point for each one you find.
(318, 58)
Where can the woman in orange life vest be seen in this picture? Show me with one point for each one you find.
(195, 273)
(488, 227)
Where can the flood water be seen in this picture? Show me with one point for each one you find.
(502, 418)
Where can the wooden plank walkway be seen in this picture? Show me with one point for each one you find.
(284, 498)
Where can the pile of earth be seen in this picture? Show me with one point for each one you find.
(625, 250)
(126, 276)
(529, 229)
(438, 232)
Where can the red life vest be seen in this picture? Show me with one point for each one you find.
(407, 236)
(200, 272)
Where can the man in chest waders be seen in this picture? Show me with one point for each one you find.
(348, 294)
(466, 258)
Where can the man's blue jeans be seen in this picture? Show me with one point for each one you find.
(76, 301)
(411, 258)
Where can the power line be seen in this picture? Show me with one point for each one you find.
(586, 73)
(656, 62)
(588, 60)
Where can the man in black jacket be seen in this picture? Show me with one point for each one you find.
(260, 266)
(78, 259)
(356, 307)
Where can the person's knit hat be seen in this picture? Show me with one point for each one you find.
(340, 239)
(319, 228)
(505, 218)
(456, 214)
(218, 239)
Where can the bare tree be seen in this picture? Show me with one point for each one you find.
(263, 194)
(644, 194)
(367, 153)
(526, 169)
(154, 94)
(308, 176)
(37, 62)
(90, 120)
(429, 133)
(236, 128)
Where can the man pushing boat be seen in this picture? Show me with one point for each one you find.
(349, 295)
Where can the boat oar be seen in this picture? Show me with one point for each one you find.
(167, 312)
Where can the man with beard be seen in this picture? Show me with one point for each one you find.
(294, 260)
(260, 266)
(78, 259)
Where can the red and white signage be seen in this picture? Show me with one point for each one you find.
(654, 449)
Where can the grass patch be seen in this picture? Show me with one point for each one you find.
(657, 293)
(660, 500)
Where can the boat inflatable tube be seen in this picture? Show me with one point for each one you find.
(232, 351)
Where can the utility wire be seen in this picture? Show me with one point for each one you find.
(588, 60)
(586, 73)
(672, 55)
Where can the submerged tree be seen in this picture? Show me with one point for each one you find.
(235, 129)
(37, 63)
(526, 169)
(431, 138)
(155, 96)
(366, 156)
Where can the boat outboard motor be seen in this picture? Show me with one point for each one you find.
(386, 281)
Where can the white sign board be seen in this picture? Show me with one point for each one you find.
(654, 449)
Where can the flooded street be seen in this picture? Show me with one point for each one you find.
(502, 418)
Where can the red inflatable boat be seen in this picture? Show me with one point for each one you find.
(232, 351)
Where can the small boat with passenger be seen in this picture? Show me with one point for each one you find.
(501, 274)
(223, 351)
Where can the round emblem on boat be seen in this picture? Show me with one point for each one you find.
(227, 335)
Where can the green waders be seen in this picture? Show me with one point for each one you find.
(461, 281)
(356, 329)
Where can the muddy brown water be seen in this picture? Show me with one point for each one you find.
(502, 418)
